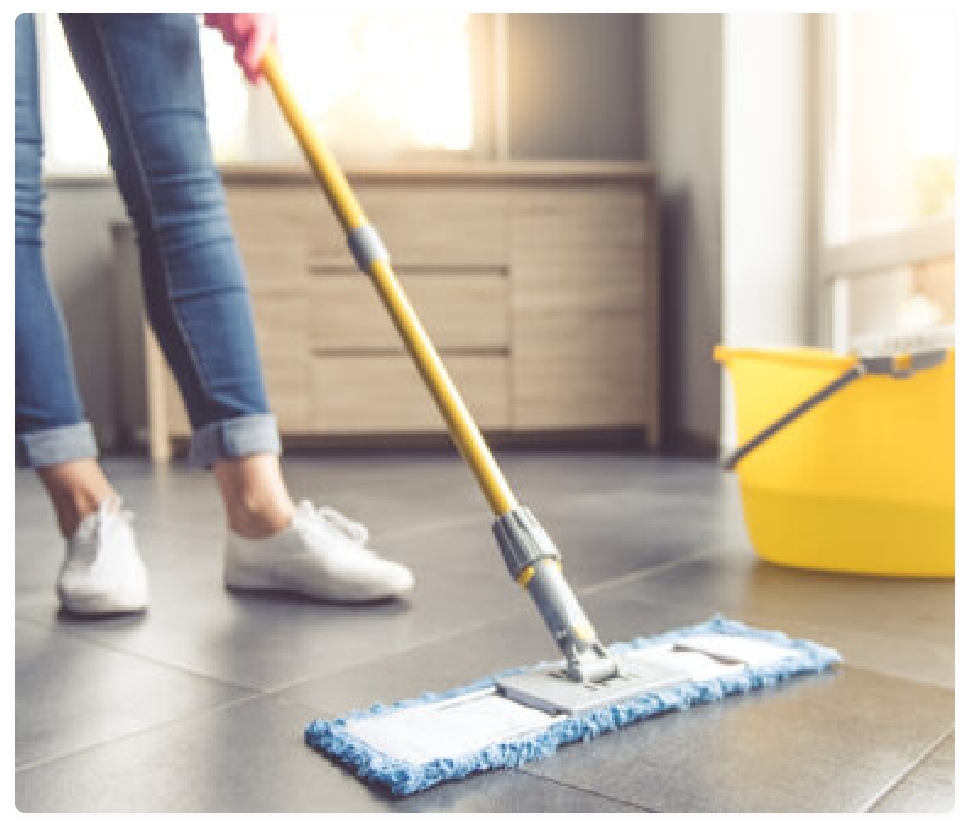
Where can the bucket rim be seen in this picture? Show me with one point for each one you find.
(808, 357)
(805, 357)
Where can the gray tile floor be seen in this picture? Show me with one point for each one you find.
(200, 704)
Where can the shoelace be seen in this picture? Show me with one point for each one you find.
(87, 543)
(354, 531)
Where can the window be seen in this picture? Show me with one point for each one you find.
(886, 262)
(382, 84)
(72, 137)
(378, 86)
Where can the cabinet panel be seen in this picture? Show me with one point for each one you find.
(385, 393)
(538, 284)
(470, 312)
(282, 333)
(272, 228)
(578, 313)
(428, 225)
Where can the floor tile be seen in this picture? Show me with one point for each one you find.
(265, 640)
(72, 693)
(251, 758)
(904, 627)
(40, 552)
(686, 761)
(649, 544)
(929, 788)
(815, 744)
(519, 640)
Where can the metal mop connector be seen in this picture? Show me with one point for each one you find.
(534, 563)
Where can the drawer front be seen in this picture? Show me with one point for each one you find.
(470, 312)
(285, 232)
(579, 315)
(427, 226)
(595, 377)
(274, 265)
(283, 340)
(273, 226)
(385, 393)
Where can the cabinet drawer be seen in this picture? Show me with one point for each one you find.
(282, 337)
(579, 314)
(385, 393)
(427, 226)
(273, 226)
(467, 312)
(274, 265)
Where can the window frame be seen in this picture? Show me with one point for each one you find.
(839, 263)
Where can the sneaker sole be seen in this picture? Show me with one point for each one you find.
(95, 606)
(241, 578)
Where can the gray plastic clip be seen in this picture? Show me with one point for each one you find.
(367, 247)
(522, 540)
(919, 361)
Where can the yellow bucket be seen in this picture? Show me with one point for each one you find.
(864, 482)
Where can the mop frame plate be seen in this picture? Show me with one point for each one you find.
(337, 739)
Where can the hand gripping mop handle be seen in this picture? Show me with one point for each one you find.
(531, 557)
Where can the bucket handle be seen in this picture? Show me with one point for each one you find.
(898, 367)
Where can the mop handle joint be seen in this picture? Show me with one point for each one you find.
(367, 247)
(534, 562)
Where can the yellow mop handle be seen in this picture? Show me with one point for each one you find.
(463, 430)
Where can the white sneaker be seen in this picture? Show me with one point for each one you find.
(102, 571)
(321, 555)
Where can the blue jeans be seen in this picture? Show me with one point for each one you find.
(143, 74)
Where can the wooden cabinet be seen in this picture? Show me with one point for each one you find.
(538, 282)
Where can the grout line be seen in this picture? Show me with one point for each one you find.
(928, 750)
(577, 788)
(111, 647)
(649, 570)
(31, 765)
(426, 528)
(281, 688)
(829, 632)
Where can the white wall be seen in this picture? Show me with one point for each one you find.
(574, 91)
(768, 179)
(683, 130)
(727, 122)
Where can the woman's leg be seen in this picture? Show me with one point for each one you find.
(144, 76)
(53, 436)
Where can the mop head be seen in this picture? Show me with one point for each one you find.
(415, 744)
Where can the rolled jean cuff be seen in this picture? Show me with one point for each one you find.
(57, 445)
(234, 438)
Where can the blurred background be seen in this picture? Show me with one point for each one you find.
(803, 168)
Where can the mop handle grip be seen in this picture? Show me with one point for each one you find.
(373, 260)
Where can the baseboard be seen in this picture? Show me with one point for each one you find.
(691, 444)
(628, 439)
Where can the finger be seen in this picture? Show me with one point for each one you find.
(254, 50)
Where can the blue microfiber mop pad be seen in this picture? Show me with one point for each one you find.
(404, 777)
